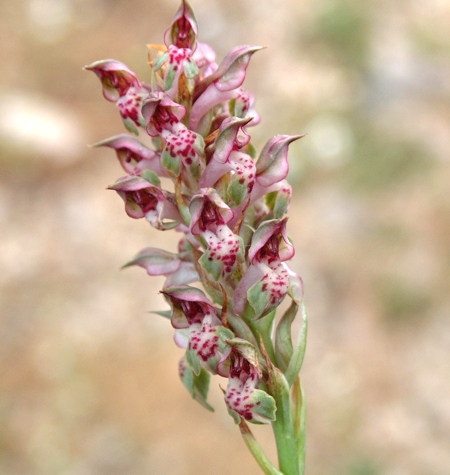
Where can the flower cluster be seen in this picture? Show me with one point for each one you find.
(227, 202)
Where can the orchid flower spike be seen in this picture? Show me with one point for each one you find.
(195, 170)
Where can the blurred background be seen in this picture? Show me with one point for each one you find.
(88, 378)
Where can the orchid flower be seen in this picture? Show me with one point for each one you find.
(266, 281)
(242, 396)
(122, 86)
(210, 215)
(205, 336)
(230, 273)
(145, 199)
(228, 158)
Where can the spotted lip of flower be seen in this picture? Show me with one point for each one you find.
(184, 154)
(161, 114)
(143, 199)
(130, 106)
(179, 61)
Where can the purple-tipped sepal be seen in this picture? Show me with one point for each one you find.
(221, 86)
(176, 268)
(133, 155)
(183, 31)
(272, 165)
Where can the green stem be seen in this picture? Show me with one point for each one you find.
(256, 450)
(299, 410)
(283, 426)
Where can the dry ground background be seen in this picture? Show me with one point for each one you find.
(88, 382)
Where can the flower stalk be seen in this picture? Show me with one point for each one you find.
(228, 204)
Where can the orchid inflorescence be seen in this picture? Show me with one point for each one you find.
(229, 205)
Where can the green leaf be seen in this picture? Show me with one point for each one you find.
(201, 388)
(263, 326)
(251, 150)
(257, 451)
(283, 339)
(270, 199)
(298, 354)
(157, 143)
(281, 206)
